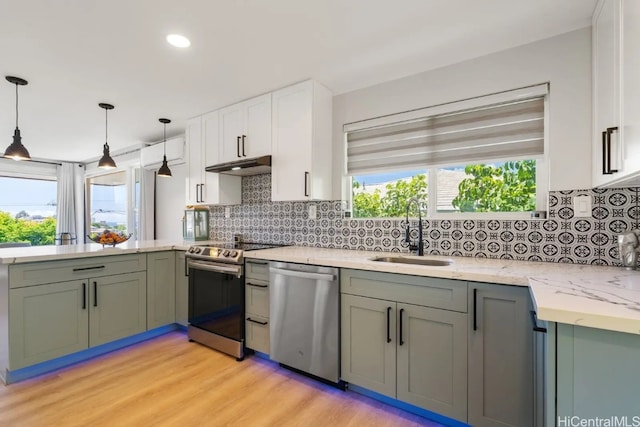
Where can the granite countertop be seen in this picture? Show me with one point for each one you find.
(52, 253)
(585, 295)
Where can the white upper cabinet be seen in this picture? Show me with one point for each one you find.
(301, 165)
(245, 129)
(207, 188)
(616, 93)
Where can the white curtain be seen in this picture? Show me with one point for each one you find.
(70, 203)
(147, 204)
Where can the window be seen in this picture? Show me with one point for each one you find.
(28, 210)
(107, 202)
(476, 157)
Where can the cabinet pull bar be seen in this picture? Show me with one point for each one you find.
(98, 267)
(609, 132)
(388, 324)
(306, 184)
(257, 285)
(84, 295)
(475, 309)
(243, 137)
(186, 267)
(197, 193)
(95, 294)
(534, 319)
(604, 153)
(256, 321)
(401, 342)
(238, 146)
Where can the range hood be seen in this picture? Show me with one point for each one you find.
(243, 167)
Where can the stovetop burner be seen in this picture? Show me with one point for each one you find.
(227, 252)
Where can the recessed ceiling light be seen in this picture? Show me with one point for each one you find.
(178, 41)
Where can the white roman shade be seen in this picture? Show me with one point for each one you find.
(504, 126)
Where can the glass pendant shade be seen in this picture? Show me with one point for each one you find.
(16, 150)
(106, 162)
(164, 169)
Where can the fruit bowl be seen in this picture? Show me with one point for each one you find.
(108, 238)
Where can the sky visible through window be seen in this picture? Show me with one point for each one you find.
(37, 197)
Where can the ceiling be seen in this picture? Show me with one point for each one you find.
(77, 53)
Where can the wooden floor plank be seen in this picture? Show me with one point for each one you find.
(169, 381)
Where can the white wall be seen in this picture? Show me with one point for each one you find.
(564, 61)
(170, 204)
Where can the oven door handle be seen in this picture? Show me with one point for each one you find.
(216, 268)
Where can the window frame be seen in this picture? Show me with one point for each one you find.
(542, 161)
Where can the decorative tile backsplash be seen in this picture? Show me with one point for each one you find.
(560, 238)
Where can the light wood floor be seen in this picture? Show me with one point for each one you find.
(169, 381)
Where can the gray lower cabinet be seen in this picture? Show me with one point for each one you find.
(501, 368)
(48, 321)
(597, 375)
(182, 290)
(117, 307)
(257, 305)
(53, 320)
(414, 353)
(161, 289)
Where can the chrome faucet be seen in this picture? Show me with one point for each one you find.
(629, 248)
(407, 237)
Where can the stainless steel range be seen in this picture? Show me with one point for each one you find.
(216, 295)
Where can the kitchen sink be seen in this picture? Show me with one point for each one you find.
(414, 261)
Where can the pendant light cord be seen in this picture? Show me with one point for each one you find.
(16, 105)
(106, 126)
(165, 140)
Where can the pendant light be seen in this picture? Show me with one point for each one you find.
(106, 162)
(164, 169)
(16, 150)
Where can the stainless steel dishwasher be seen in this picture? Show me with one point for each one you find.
(304, 312)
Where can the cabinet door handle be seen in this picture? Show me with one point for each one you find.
(388, 324)
(256, 321)
(201, 193)
(84, 295)
(604, 154)
(97, 267)
(534, 319)
(475, 306)
(306, 184)
(401, 342)
(95, 294)
(238, 146)
(197, 193)
(243, 137)
(186, 268)
(609, 132)
(257, 285)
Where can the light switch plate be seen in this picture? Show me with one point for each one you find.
(582, 206)
(312, 211)
(227, 212)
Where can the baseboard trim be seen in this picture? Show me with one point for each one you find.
(71, 359)
(432, 416)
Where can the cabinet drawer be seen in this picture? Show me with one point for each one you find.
(256, 297)
(39, 273)
(257, 333)
(257, 269)
(426, 291)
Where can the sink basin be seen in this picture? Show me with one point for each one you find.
(414, 261)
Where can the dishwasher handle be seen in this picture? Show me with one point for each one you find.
(303, 274)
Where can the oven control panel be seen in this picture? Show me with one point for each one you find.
(215, 254)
